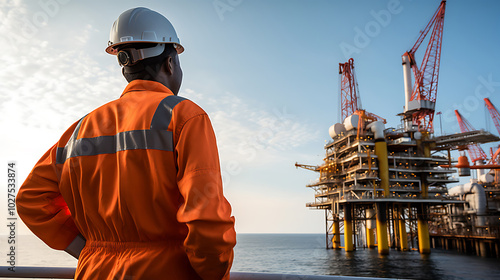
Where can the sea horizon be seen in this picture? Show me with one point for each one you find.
(303, 254)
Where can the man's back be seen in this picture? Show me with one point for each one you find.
(141, 178)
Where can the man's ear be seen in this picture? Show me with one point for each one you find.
(169, 65)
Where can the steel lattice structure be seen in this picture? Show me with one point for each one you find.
(348, 90)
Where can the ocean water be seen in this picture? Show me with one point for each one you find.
(304, 254)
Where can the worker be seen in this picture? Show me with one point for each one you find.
(136, 183)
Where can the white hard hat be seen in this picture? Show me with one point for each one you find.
(142, 25)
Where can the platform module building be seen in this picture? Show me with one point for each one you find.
(473, 225)
(376, 186)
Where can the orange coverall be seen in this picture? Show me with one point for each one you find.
(140, 179)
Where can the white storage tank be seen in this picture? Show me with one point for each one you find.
(336, 129)
(351, 122)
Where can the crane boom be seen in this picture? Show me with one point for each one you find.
(308, 167)
(494, 113)
(475, 151)
(496, 120)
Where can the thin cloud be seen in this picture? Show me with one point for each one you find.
(48, 86)
(245, 130)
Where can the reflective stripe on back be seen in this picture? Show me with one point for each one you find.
(157, 138)
(128, 140)
(163, 115)
(61, 155)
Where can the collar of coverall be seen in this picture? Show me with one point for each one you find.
(145, 85)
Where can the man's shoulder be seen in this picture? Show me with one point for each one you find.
(184, 106)
(177, 109)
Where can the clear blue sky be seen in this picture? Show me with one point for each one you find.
(265, 71)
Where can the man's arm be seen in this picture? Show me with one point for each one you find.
(211, 238)
(40, 204)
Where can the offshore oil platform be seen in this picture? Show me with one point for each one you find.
(386, 187)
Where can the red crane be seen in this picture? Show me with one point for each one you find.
(475, 152)
(496, 120)
(350, 102)
(348, 90)
(421, 103)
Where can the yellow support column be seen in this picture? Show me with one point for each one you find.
(403, 236)
(370, 228)
(336, 234)
(393, 212)
(348, 245)
(424, 244)
(383, 165)
(370, 237)
(425, 187)
(427, 147)
(383, 244)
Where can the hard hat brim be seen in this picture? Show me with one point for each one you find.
(113, 49)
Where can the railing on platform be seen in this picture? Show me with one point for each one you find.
(69, 272)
